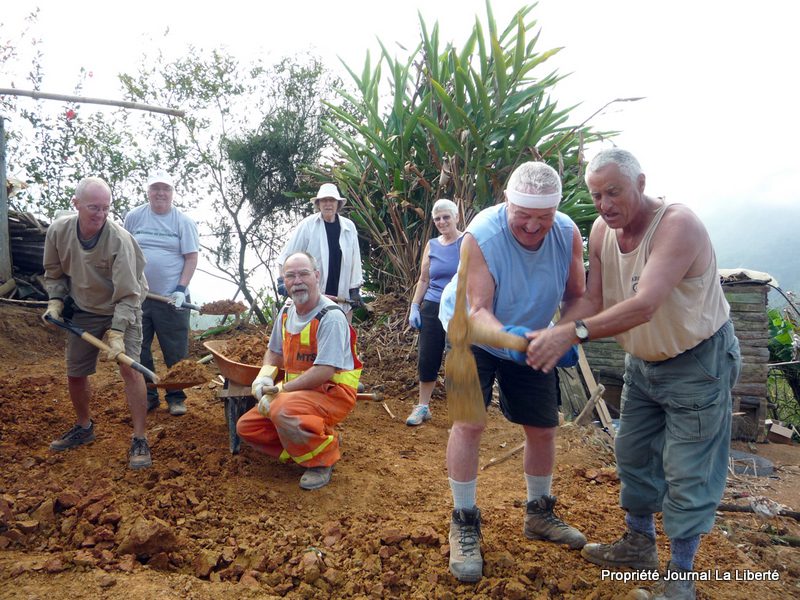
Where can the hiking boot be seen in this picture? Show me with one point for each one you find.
(541, 523)
(673, 585)
(420, 413)
(139, 454)
(633, 550)
(466, 562)
(316, 477)
(77, 436)
(152, 403)
(177, 408)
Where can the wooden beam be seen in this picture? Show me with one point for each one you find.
(600, 405)
(5, 241)
(84, 100)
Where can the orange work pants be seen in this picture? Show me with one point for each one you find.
(300, 426)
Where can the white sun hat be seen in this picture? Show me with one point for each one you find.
(328, 190)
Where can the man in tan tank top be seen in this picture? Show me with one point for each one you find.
(653, 284)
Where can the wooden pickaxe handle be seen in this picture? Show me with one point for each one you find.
(497, 338)
(369, 396)
(98, 343)
(168, 300)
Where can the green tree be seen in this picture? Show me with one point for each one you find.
(456, 124)
(247, 132)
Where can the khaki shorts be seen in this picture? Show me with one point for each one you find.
(82, 356)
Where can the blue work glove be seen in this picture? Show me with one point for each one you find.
(282, 288)
(516, 355)
(355, 298)
(178, 297)
(570, 359)
(414, 318)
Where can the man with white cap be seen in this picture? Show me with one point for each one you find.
(331, 239)
(171, 244)
(526, 259)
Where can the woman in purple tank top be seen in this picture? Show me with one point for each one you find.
(439, 264)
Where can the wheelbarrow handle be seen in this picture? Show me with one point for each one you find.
(121, 358)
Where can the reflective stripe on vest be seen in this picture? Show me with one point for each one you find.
(285, 456)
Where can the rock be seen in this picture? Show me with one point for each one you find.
(110, 518)
(92, 512)
(205, 562)
(127, 564)
(514, 590)
(249, 579)
(106, 581)
(312, 566)
(333, 576)
(147, 538)
(6, 514)
(159, 562)
(393, 536)
(27, 526)
(54, 565)
(84, 558)
(427, 537)
(66, 500)
(45, 512)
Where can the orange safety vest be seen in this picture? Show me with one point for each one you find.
(300, 351)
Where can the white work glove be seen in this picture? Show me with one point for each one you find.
(116, 343)
(414, 318)
(178, 298)
(269, 393)
(54, 310)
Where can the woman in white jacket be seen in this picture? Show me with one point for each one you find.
(331, 239)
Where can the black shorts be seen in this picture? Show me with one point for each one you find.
(527, 396)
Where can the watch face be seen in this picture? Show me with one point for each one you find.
(581, 331)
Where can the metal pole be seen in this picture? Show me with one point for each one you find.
(5, 241)
(84, 100)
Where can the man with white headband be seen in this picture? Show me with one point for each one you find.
(526, 259)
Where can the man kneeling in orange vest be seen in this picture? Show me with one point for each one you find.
(315, 345)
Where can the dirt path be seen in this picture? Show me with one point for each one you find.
(238, 526)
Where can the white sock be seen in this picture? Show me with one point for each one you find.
(464, 493)
(538, 485)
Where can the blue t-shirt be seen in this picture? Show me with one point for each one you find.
(444, 263)
(529, 284)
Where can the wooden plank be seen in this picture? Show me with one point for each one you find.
(5, 246)
(600, 406)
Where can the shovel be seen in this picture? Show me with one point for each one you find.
(121, 358)
(168, 300)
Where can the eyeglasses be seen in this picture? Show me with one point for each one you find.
(291, 275)
(95, 208)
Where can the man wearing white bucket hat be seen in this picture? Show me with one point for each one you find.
(331, 239)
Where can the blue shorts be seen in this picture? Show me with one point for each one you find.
(527, 396)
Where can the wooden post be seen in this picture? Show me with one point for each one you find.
(5, 241)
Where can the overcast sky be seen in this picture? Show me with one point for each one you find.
(719, 125)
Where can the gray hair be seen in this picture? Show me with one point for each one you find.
(445, 205)
(625, 161)
(310, 258)
(87, 182)
(535, 177)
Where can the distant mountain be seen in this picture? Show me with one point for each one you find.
(762, 238)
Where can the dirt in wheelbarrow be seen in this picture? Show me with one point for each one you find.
(203, 523)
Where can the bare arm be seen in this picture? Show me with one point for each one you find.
(424, 276)
(576, 280)
(480, 286)
(189, 266)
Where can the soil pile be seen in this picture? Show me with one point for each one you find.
(205, 524)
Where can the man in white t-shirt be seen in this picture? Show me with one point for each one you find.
(170, 244)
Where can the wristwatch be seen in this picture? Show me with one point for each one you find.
(581, 331)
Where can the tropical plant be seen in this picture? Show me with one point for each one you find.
(784, 352)
(456, 123)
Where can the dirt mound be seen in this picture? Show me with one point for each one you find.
(205, 524)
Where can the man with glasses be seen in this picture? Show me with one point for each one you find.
(170, 243)
(94, 276)
(316, 348)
